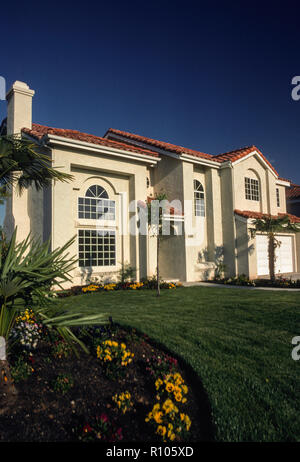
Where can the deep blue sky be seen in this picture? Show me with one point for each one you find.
(213, 76)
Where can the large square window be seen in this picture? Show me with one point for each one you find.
(96, 247)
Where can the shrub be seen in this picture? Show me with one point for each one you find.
(126, 273)
(21, 370)
(63, 383)
(61, 349)
(101, 429)
(161, 365)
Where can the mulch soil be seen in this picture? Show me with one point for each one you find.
(41, 414)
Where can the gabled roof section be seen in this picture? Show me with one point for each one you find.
(231, 156)
(238, 154)
(38, 132)
(131, 137)
(259, 215)
(293, 192)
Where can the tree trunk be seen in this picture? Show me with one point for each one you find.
(8, 392)
(271, 252)
(157, 267)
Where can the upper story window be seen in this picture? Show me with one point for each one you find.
(252, 189)
(96, 205)
(199, 199)
(278, 197)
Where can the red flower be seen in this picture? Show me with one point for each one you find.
(119, 433)
(104, 417)
(87, 428)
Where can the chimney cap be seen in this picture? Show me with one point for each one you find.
(20, 87)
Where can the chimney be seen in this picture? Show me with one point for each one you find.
(19, 107)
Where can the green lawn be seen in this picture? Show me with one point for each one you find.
(238, 342)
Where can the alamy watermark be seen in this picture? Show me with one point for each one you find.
(166, 218)
(2, 88)
(296, 90)
(296, 349)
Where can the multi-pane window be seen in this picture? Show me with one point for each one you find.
(252, 189)
(96, 205)
(96, 247)
(278, 197)
(199, 203)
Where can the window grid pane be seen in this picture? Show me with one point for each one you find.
(278, 197)
(199, 202)
(96, 247)
(96, 209)
(251, 189)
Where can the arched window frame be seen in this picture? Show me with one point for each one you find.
(96, 205)
(199, 199)
(97, 246)
(252, 187)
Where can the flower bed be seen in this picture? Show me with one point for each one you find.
(97, 287)
(243, 280)
(126, 389)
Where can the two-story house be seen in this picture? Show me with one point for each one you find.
(217, 195)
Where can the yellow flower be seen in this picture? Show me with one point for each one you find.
(158, 383)
(157, 416)
(178, 397)
(161, 430)
(169, 387)
(168, 406)
(184, 389)
(187, 422)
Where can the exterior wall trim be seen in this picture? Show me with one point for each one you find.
(253, 153)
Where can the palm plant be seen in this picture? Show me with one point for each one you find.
(272, 226)
(29, 269)
(22, 165)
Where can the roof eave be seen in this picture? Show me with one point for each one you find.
(49, 140)
(257, 153)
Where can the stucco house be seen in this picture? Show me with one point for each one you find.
(220, 196)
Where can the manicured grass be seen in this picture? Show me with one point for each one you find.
(238, 342)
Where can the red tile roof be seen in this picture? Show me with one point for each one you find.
(239, 153)
(259, 215)
(283, 179)
(227, 156)
(293, 192)
(159, 144)
(38, 131)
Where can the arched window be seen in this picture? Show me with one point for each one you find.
(252, 192)
(96, 205)
(199, 199)
(96, 191)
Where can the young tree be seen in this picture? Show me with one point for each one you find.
(272, 226)
(155, 224)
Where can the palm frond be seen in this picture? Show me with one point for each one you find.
(22, 165)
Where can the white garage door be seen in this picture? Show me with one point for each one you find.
(284, 255)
